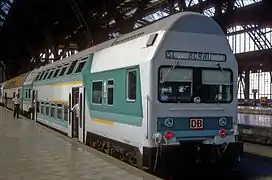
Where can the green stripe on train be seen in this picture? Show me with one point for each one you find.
(121, 111)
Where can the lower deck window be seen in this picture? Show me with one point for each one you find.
(42, 109)
(53, 110)
(66, 110)
(59, 111)
(38, 107)
(47, 110)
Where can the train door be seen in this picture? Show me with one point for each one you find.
(81, 128)
(75, 116)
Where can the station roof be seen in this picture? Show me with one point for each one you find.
(32, 25)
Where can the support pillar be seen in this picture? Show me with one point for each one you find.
(246, 93)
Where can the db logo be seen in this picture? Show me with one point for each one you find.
(196, 124)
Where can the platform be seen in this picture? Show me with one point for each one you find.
(255, 110)
(31, 151)
(255, 120)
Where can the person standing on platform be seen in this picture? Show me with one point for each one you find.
(16, 102)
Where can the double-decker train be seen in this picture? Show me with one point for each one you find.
(168, 87)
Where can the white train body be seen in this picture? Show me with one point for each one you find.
(169, 83)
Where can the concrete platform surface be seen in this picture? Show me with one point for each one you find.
(255, 110)
(255, 120)
(29, 151)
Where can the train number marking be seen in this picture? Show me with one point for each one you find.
(196, 124)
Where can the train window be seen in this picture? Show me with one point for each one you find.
(38, 107)
(216, 86)
(45, 75)
(29, 93)
(80, 67)
(175, 85)
(40, 78)
(53, 110)
(63, 70)
(66, 108)
(71, 68)
(47, 109)
(97, 90)
(37, 77)
(131, 85)
(59, 111)
(26, 96)
(51, 73)
(110, 87)
(56, 73)
(42, 107)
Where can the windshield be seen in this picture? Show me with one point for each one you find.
(177, 85)
(216, 86)
(183, 84)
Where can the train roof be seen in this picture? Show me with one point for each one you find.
(15, 82)
(181, 22)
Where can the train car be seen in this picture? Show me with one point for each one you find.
(52, 87)
(150, 95)
(2, 99)
(28, 95)
(11, 88)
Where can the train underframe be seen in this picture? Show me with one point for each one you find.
(193, 154)
(165, 158)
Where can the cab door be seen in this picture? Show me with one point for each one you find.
(81, 124)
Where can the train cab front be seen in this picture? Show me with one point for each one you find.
(196, 115)
(198, 145)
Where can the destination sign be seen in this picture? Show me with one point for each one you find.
(197, 56)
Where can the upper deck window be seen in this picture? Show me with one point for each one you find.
(80, 66)
(40, 78)
(44, 77)
(51, 73)
(71, 68)
(57, 72)
(63, 70)
(37, 77)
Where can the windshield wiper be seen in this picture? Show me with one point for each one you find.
(169, 70)
(220, 67)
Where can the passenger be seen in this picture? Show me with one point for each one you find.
(16, 102)
(76, 108)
